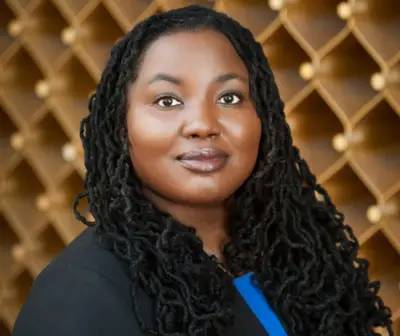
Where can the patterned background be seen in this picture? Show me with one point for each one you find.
(338, 68)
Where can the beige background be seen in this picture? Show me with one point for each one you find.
(338, 69)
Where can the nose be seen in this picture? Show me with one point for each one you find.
(201, 122)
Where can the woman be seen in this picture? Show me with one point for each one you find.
(206, 217)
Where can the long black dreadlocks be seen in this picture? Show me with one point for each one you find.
(302, 254)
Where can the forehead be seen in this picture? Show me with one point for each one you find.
(192, 52)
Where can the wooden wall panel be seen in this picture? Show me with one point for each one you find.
(338, 68)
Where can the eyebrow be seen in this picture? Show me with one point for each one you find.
(165, 78)
(230, 76)
(219, 79)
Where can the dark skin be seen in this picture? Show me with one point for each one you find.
(195, 96)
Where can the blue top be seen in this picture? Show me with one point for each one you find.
(255, 299)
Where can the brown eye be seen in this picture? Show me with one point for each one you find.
(230, 99)
(167, 102)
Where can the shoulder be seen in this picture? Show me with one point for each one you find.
(86, 290)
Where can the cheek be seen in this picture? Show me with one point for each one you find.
(245, 134)
(149, 134)
(151, 139)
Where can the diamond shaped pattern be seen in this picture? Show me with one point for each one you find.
(337, 65)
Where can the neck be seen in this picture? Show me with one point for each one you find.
(209, 221)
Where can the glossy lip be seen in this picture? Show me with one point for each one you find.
(204, 160)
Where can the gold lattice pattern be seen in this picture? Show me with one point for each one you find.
(338, 68)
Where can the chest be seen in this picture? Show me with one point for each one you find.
(253, 314)
(246, 323)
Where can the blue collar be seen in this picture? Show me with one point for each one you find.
(257, 302)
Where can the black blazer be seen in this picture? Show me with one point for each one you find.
(86, 291)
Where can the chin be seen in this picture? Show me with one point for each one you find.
(206, 200)
(205, 196)
(205, 190)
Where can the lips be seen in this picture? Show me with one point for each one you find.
(204, 160)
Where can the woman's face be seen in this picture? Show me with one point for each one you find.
(194, 133)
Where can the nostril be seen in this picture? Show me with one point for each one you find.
(215, 135)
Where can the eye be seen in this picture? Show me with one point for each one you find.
(230, 98)
(167, 102)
